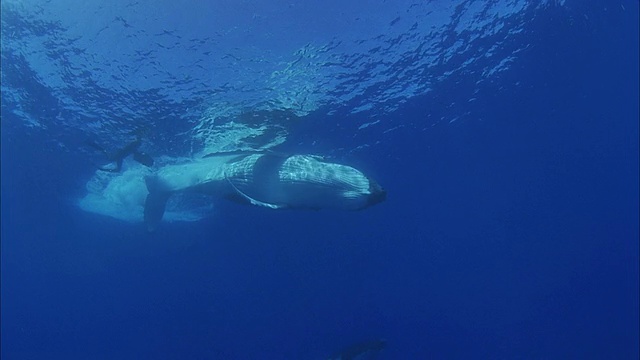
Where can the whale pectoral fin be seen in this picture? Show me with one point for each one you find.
(241, 195)
(256, 202)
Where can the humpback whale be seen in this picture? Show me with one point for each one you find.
(264, 179)
(257, 178)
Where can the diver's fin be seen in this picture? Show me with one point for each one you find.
(143, 158)
(140, 132)
(94, 145)
(156, 202)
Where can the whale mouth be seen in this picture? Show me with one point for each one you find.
(376, 194)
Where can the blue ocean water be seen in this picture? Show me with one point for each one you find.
(505, 133)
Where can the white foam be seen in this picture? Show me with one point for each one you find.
(122, 195)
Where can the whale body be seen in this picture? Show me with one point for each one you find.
(260, 179)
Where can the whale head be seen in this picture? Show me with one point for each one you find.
(310, 182)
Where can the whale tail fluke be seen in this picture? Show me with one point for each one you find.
(155, 203)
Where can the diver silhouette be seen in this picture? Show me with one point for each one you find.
(118, 156)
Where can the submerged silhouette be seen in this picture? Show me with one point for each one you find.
(367, 350)
(118, 156)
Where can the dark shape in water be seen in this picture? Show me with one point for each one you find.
(119, 155)
(367, 350)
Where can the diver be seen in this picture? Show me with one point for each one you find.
(119, 155)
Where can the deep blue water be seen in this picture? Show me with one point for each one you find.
(511, 232)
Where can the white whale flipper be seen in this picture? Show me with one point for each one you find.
(253, 201)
